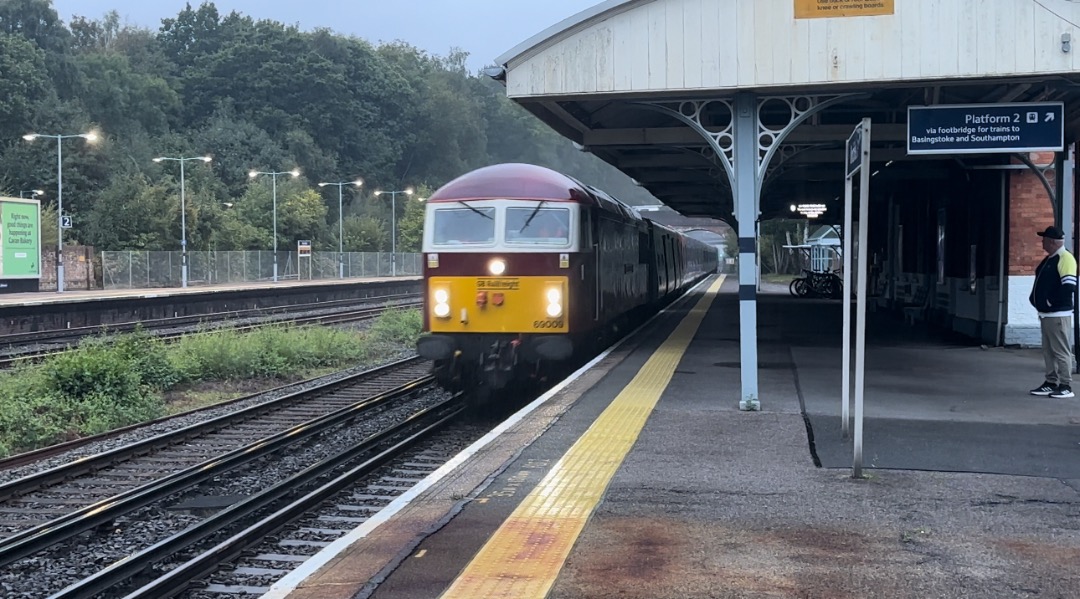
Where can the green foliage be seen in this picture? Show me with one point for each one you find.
(135, 213)
(269, 352)
(148, 357)
(254, 94)
(23, 82)
(113, 382)
(411, 227)
(398, 327)
(97, 388)
(366, 234)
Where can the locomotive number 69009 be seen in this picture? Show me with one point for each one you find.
(548, 324)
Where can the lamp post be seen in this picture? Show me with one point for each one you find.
(33, 193)
(393, 225)
(183, 214)
(90, 137)
(274, 175)
(341, 227)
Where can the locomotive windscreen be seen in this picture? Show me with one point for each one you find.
(456, 226)
(546, 226)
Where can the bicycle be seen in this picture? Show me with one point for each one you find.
(818, 284)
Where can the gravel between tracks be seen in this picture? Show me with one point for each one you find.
(82, 556)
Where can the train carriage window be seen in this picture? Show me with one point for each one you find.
(464, 226)
(546, 226)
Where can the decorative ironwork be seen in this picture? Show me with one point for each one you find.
(770, 140)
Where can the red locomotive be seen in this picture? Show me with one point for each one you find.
(526, 268)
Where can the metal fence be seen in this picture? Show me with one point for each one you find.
(141, 270)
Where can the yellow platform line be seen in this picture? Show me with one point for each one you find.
(524, 556)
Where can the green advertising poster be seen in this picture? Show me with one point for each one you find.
(20, 250)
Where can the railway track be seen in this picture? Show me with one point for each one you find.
(75, 333)
(242, 550)
(44, 510)
(56, 342)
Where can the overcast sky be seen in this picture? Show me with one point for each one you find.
(483, 28)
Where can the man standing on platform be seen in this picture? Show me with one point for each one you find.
(1052, 296)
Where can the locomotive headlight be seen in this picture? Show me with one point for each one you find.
(554, 298)
(497, 267)
(442, 303)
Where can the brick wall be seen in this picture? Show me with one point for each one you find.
(79, 268)
(1029, 211)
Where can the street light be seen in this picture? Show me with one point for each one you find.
(274, 175)
(341, 217)
(393, 226)
(90, 137)
(183, 214)
(33, 194)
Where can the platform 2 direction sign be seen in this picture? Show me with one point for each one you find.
(986, 128)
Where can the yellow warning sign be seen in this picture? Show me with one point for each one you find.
(815, 9)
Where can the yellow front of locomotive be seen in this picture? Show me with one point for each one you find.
(497, 304)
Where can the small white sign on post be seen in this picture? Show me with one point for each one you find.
(303, 250)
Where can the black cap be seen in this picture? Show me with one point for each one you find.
(1052, 232)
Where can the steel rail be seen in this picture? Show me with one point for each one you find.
(76, 333)
(333, 318)
(81, 466)
(177, 580)
(39, 538)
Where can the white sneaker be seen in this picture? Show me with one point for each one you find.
(1062, 392)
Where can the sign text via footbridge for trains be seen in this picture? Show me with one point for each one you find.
(986, 128)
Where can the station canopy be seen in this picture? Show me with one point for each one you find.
(590, 76)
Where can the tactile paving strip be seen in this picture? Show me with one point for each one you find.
(524, 556)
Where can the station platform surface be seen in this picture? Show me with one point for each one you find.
(641, 478)
(84, 295)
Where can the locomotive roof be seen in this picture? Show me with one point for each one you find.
(526, 182)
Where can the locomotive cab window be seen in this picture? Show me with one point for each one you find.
(543, 226)
(464, 226)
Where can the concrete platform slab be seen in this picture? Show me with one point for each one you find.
(714, 502)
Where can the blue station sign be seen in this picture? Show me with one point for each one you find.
(986, 128)
(853, 156)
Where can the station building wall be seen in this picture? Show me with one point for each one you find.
(1030, 210)
(937, 247)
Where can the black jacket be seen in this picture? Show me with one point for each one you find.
(1055, 284)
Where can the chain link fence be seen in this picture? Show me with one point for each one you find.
(144, 270)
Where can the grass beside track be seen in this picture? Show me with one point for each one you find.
(132, 378)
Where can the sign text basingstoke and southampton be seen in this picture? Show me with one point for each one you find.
(986, 128)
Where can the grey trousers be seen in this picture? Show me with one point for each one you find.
(1056, 349)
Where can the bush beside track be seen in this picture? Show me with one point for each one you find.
(108, 384)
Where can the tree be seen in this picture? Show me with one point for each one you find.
(411, 222)
(122, 99)
(365, 234)
(23, 84)
(133, 213)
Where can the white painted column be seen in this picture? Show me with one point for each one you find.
(746, 211)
